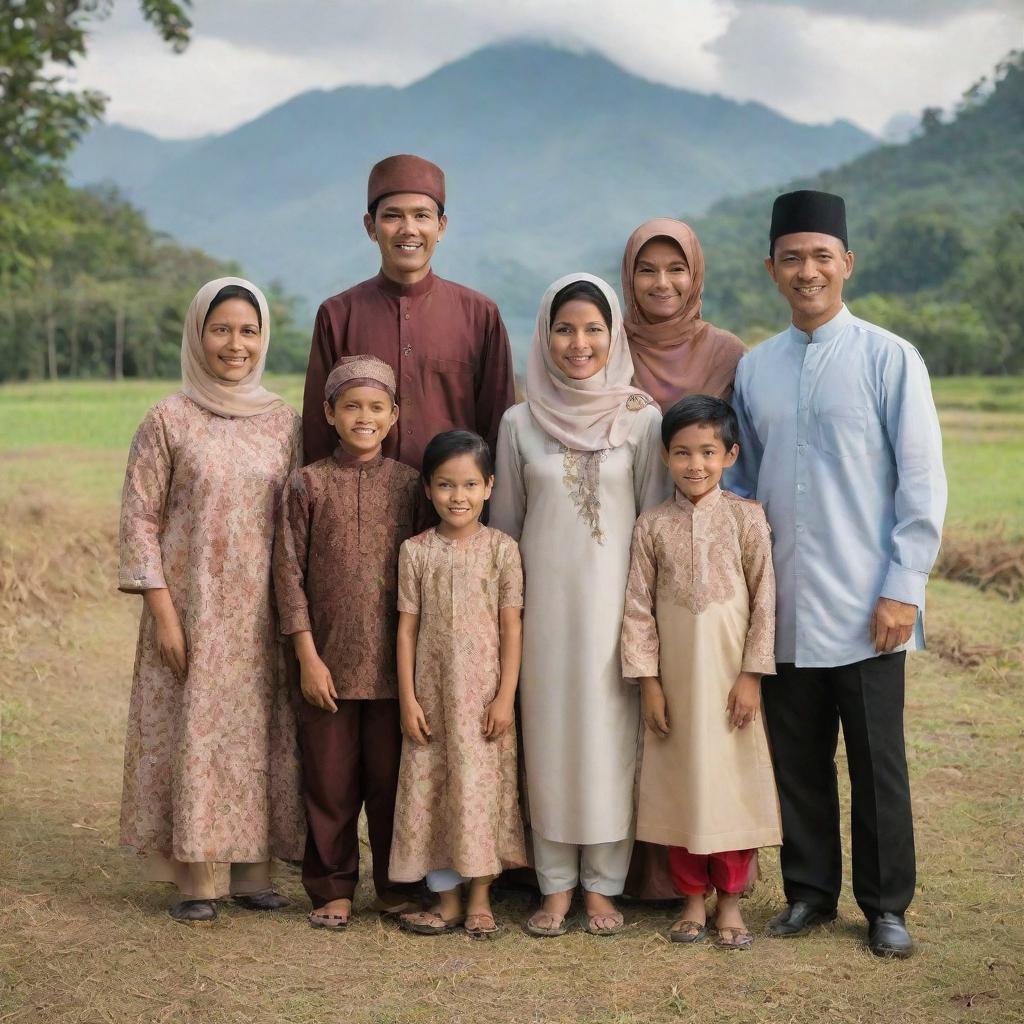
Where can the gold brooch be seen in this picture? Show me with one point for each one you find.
(636, 402)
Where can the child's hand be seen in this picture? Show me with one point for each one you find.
(744, 700)
(654, 705)
(501, 713)
(317, 684)
(170, 643)
(414, 723)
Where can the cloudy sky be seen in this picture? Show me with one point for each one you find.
(813, 60)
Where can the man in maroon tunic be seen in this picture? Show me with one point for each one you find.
(446, 343)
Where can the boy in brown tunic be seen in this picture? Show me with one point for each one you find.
(343, 521)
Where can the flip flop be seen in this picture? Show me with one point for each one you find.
(687, 931)
(559, 928)
(591, 929)
(733, 938)
(425, 922)
(477, 930)
(328, 920)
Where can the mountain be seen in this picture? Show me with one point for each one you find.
(550, 157)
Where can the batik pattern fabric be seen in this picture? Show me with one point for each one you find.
(458, 799)
(211, 762)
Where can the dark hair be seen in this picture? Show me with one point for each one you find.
(372, 208)
(452, 443)
(704, 411)
(234, 291)
(586, 291)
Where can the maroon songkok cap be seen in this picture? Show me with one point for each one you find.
(405, 173)
(359, 372)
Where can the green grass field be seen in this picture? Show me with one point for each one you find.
(83, 940)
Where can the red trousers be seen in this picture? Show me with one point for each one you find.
(695, 873)
(350, 758)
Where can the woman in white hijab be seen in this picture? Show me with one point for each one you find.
(211, 777)
(576, 463)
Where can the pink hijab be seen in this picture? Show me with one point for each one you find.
(246, 397)
(585, 415)
(684, 355)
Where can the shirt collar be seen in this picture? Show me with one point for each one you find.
(826, 332)
(348, 461)
(706, 504)
(389, 287)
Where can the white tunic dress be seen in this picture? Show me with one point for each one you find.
(573, 514)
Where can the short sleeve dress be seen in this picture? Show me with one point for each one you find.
(458, 798)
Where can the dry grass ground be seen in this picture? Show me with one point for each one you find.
(83, 940)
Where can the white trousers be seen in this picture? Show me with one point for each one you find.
(601, 867)
(444, 880)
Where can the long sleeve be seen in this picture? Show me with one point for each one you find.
(147, 480)
(912, 425)
(291, 553)
(640, 647)
(741, 478)
(496, 384)
(508, 500)
(318, 439)
(651, 481)
(756, 555)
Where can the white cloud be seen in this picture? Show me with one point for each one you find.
(872, 59)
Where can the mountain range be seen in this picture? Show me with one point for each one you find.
(551, 157)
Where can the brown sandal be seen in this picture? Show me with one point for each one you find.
(613, 929)
(429, 922)
(687, 931)
(481, 926)
(329, 920)
(557, 928)
(734, 938)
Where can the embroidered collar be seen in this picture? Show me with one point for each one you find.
(702, 507)
(348, 461)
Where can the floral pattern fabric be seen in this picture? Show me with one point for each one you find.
(211, 763)
(336, 565)
(458, 799)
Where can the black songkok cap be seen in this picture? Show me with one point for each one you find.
(807, 210)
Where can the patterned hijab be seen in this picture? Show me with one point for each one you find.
(585, 415)
(246, 397)
(683, 355)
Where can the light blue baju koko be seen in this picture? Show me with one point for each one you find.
(840, 442)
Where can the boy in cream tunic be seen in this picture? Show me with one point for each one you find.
(698, 632)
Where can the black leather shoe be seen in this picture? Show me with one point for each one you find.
(888, 936)
(266, 900)
(194, 912)
(798, 919)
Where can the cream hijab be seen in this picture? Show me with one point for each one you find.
(246, 397)
(585, 415)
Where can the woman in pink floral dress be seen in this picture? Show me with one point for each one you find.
(460, 598)
(211, 776)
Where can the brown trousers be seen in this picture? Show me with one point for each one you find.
(350, 758)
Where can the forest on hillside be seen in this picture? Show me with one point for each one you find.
(89, 289)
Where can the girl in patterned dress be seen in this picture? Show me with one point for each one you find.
(460, 598)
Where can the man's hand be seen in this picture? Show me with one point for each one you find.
(892, 622)
(317, 684)
(654, 705)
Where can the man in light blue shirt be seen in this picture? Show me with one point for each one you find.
(840, 442)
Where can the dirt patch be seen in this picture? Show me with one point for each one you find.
(989, 563)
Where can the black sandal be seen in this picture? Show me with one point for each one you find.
(266, 900)
(194, 912)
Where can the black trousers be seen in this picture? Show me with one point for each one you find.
(803, 708)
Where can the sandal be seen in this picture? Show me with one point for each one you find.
(481, 926)
(394, 909)
(613, 929)
(329, 920)
(687, 931)
(556, 928)
(733, 938)
(266, 900)
(198, 912)
(429, 922)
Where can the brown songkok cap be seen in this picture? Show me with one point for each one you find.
(807, 210)
(405, 173)
(359, 372)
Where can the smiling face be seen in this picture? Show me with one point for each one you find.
(580, 339)
(406, 228)
(696, 459)
(231, 340)
(362, 416)
(661, 280)
(458, 490)
(810, 270)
